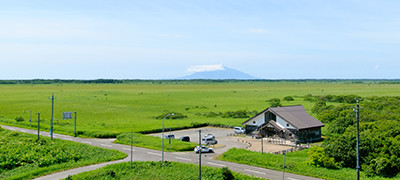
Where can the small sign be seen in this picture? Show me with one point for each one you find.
(67, 115)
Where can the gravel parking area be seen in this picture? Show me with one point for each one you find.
(194, 134)
(225, 142)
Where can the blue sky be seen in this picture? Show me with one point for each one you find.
(270, 39)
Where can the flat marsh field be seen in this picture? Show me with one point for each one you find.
(132, 107)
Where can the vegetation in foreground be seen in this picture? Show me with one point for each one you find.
(295, 162)
(155, 170)
(153, 142)
(23, 157)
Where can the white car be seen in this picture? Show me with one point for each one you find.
(238, 130)
(204, 149)
(208, 140)
(209, 136)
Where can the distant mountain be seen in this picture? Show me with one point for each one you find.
(222, 73)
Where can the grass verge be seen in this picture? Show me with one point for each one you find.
(153, 142)
(295, 162)
(23, 157)
(154, 171)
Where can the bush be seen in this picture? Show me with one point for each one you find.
(288, 98)
(274, 102)
(175, 116)
(19, 119)
(227, 174)
(318, 158)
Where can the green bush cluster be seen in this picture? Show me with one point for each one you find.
(379, 135)
(230, 114)
(332, 98)
(318, 158)
(19, 119)
(274, 102)
(175, 116)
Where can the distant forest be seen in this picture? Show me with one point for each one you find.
(173, 81)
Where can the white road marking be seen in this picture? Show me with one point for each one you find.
(128, 149)
(87, 142)
(292, 179)
(258, 172)
(156, 154)
(215, 164)
(106, 145)
(181, 158)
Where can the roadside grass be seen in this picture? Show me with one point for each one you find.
(156, 171)
(295, 162)
(23, 157)
(153, 142)
(106, 110)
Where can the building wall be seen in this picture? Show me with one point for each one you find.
(257, 121)
(284, 124)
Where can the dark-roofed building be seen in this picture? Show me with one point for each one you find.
(290, 122)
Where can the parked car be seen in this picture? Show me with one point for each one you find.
(204, 149)
(169, 136)
(185, 138)
(209, 136)
(209, 140)
(238, 130)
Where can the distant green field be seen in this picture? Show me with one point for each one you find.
(107, 109)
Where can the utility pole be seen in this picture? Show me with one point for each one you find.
(262, 145)
(75, 124)
(38, 126)
(200, 154)
(283, 177)
(52, 113)
(131, 150)
(358, 141)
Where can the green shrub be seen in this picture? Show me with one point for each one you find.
(175, 116)
(19, 119)
(288, 98)
(318, 158)
(274, 102)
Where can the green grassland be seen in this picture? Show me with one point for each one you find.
(23, 157)
(106, 110)
(295, 162)
(155, 171)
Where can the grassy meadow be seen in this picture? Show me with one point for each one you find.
(105, 110)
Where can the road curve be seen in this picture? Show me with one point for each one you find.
(143, 154)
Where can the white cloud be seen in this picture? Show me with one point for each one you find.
(258, 31)
(202, 68)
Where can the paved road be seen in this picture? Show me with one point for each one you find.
(143, 154)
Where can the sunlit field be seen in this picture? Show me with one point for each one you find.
(132, 107)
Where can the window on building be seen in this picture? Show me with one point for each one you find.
(287, 125)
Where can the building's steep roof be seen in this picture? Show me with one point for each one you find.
(294, 115)
(297, 116)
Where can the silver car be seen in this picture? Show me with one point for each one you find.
(208, 140)
(204, 149)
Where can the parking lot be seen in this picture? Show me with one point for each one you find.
(219, 133)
